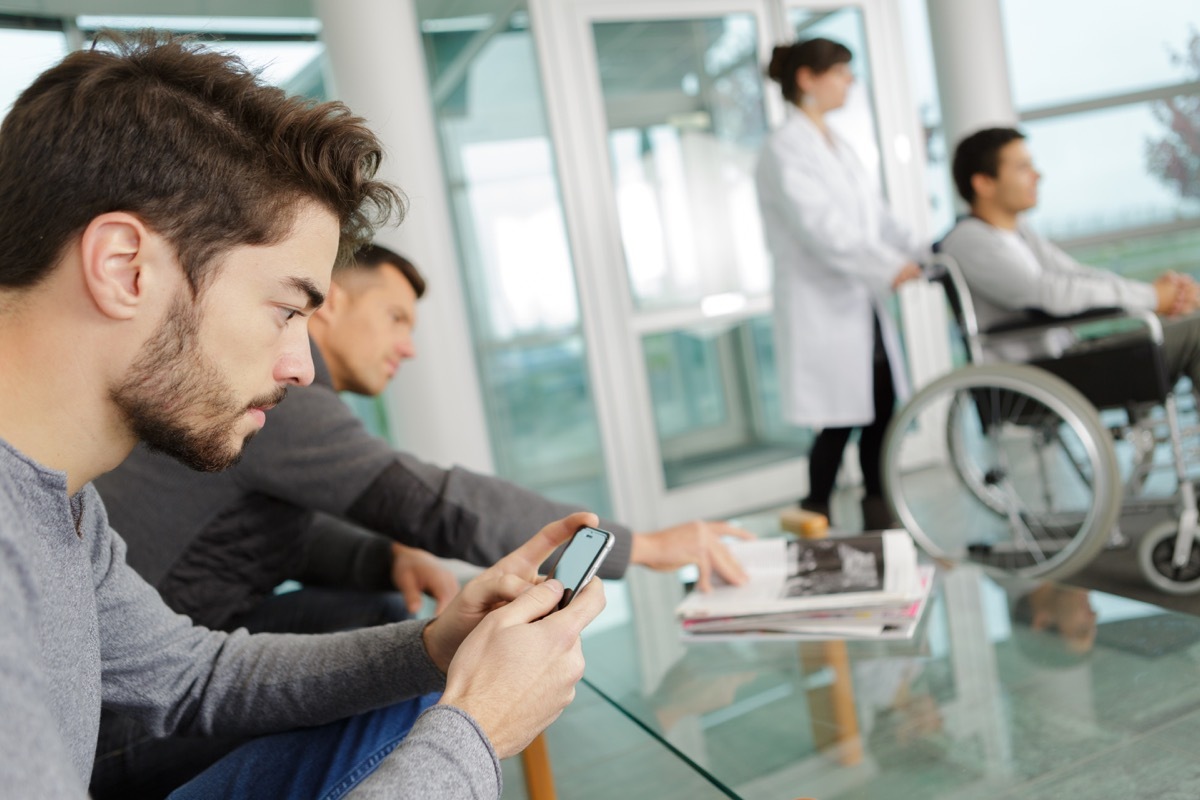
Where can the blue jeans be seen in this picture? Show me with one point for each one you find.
(322, 763)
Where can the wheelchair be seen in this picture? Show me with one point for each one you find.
(1017, 464)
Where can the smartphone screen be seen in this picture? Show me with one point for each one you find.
(580, 560)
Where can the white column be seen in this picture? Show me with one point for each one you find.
(375, 50)
(972, 66)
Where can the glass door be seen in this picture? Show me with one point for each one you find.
(659, 109)
(685, 117)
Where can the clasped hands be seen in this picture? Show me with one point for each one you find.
(1178, 294)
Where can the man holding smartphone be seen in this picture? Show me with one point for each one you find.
(318, 498)
(168, 224)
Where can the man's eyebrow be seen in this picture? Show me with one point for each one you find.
(315, 296)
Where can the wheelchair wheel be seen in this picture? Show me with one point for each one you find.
(1004, 465)
(968, 469)
(1156, 552)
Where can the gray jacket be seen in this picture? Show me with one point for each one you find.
(80, 629)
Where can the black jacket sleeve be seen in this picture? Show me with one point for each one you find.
(336, 553)
(459, 514)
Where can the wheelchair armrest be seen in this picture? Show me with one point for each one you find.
(1038, 322)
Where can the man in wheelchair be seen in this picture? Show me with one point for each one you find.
(1044, 490)
(1013, 272)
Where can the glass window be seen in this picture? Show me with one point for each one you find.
(1063, 52)
(513, 245)
(686, 118)
(716, 401)
(684, 134)
(30, 46)
(1111, 185)
(285, 51)
(1116, 136)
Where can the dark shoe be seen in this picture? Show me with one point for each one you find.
(814, 506)
(877, 514)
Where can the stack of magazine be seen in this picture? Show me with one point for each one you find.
(866, 586)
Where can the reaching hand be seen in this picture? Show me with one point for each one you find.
(416, 573)
(909, 272)
(517, 671)
(497, 585)
(695, 542)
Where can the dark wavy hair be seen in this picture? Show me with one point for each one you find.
(190, 141)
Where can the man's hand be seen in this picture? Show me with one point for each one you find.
(1187, 296)
(909, 272)
(695, 542)
(416, 573)
(517, 671)
(499, 584)
(1177, 294)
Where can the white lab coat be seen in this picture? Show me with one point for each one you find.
(836, 250)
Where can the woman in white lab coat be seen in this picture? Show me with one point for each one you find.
(838, 254)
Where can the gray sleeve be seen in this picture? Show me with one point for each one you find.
(446, 756)
(1061, 286)
(174, 676)
(459, 514)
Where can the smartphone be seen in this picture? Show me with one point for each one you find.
(580, 559)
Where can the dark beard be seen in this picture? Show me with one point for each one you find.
(170, 381)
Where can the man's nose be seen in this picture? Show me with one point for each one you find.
(295, 365)
(405, 348)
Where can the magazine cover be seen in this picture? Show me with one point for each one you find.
(812, 574)
(890, 621)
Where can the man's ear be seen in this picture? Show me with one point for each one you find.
(984, 185)
(335, 298)
(113, 251)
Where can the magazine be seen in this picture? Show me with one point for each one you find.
(862, 622)
(790, 576)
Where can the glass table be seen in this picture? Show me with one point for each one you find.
(1020, 690)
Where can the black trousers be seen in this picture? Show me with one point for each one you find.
(826, 456)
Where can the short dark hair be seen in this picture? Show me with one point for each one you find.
(979, 154)
(373, 256)
(818, 54)
(190, 141)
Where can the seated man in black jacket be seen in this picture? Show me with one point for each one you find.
(215, 546)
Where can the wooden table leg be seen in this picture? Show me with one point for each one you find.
(539, 778)
(837, 699)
